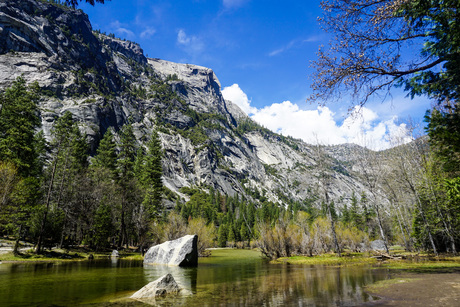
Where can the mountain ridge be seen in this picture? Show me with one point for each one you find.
(208, 142)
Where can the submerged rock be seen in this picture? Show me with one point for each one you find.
(162, 286)
(181, 252)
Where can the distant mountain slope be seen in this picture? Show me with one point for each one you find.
(208, 142)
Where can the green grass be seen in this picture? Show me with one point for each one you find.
(63, 255)
(441, 264)
(328, 259)
(229, 255)
(422, 263)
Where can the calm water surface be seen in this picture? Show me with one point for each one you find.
(228, 278)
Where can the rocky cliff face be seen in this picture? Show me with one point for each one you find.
(106, 82)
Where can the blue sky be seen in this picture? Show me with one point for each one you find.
(261, 53)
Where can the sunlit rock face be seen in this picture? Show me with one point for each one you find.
(180, 252)
(208, 143)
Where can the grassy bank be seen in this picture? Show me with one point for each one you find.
(329, 259)
(64, 255)
(412, 262)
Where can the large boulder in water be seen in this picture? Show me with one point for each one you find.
(181, 252)
(162, 286)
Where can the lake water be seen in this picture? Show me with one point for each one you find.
(227, 278)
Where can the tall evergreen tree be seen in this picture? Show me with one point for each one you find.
(126, 179)
(106, 155)
(20, 148)
(69, 158)
(19, 119)
(151, 175)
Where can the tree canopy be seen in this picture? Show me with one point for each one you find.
(378, 44)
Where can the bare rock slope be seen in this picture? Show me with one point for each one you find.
(107, 82)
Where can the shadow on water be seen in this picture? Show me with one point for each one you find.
(229, 277)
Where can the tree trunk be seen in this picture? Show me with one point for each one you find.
(48, 201)
(334, 235)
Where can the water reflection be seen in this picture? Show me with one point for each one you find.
(218, 281)
(286, 285)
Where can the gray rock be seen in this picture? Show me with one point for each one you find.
(180, 252)
(162, 286)
(378, 245)
(92, 75)
(115, 254)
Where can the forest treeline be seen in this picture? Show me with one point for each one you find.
(52, 193)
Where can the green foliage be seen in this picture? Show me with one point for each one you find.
(127, 153)
(438, 20)
(102, 228)
(222, 235)
(106, 155)
(150, 175)
(19, 118)
(270, 170)
(444, 137)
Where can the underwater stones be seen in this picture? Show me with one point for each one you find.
(162, 286)
(180, 252)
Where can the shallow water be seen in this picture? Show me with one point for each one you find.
(227, 278)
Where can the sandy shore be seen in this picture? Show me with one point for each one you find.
(418, 289)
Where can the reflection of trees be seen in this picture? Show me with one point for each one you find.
(285, 285)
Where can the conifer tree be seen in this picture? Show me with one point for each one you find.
(151, 175)
(126, 180)
(20, 149)
(222, 235)
(19, 118)
(106, 155)
(69, 158)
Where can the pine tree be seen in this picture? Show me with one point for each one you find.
(231, 233)
(127, 153)
(69, 158)
(151, 175)
(19, 119)
(106, 155)
(222, 235)
(20, 149)
(126, 180)
(355, 217)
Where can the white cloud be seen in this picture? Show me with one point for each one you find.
(121, 30)
(363, 127)
(148, 32)
(236, 95)
(192, 44)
